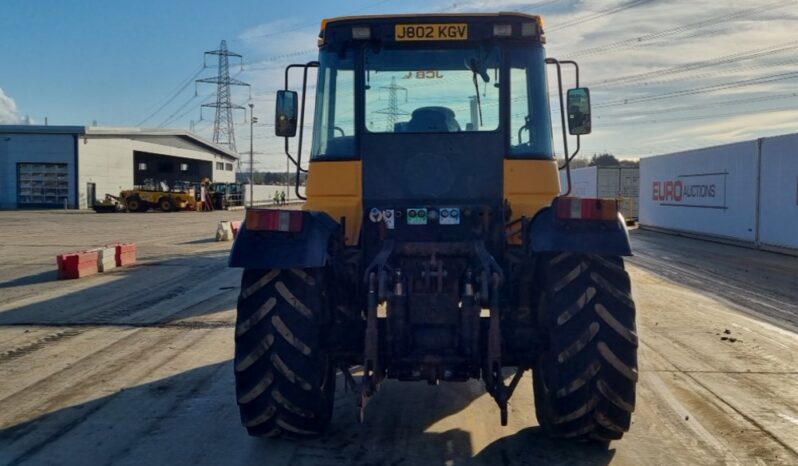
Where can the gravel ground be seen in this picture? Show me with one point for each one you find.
(134, 366)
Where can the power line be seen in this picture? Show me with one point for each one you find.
(701, 90)
(175, 117)
(174, 95)
(264, 62)
(315, 24)
(598, 49)
(537, 6)
(296, 53)
(630, 79)
(641, 40)
(599, 14)
(692, 66)
(688, 108)
(184, 113)
(711, 74)
(702, 117)
(172, 117)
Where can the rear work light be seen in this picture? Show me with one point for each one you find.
(361, 33)
(575, 208)
(502, 30)
(529, 29)
(289, 221)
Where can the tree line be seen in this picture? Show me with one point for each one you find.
(603, 160)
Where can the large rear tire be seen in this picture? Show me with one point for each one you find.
(285, 382)
(585, 381)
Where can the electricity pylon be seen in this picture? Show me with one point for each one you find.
(223, 128)
(392, 112)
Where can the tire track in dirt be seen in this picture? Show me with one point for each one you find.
(37, 344)
(741, 296)
(69, 394)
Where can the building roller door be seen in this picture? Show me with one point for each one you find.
(42, 184)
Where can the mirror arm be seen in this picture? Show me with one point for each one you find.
(311, 64)
(285, 87)
(287, 68)
(578, 137)
(298, 161)
(578, 146)
(567, 164)
(576, 65)
(288, 154)
(299, 169)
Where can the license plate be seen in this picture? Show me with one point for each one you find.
(407, 32)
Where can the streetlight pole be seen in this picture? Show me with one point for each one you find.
(252, 121)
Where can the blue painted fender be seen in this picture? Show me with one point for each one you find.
(274, 249)
(547, 233)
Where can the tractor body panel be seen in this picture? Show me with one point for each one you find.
(529, 187)
(336, 187)
(549, 234)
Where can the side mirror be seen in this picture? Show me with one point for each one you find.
(579, 111)
(285, 116)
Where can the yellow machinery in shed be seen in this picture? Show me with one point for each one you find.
(139, 200)
(155, 196)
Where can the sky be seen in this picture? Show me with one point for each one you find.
(665, 75)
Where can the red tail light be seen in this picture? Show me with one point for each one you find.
(574, 208)
(289, 221)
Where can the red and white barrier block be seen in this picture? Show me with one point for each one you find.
(77, 264)
(235, 226)
(125, 254)
(224, 231)
(106, 258)
(80, 264)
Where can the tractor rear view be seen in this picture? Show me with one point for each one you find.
(434, 244)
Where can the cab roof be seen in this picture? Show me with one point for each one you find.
(427, 16)
(479, 26)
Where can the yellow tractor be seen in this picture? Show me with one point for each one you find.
(434, 244)
(158, 196)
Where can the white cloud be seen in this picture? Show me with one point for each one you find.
(9, 114)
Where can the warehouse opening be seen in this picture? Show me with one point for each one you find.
(156, 167)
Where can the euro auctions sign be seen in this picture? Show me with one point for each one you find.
(700, 190)
(709, 191)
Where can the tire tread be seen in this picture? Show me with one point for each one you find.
(284, 382)
(585, 381)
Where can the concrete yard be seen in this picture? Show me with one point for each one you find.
(134, 366)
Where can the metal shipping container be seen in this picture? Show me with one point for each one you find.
(609, 182)
(778, 192)
(711, 191)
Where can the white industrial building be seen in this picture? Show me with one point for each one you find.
(54, 166)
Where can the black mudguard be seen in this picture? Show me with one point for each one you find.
(273, 249)
(547, 233)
